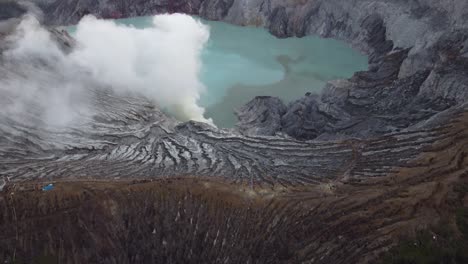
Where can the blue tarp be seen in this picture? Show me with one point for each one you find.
(49, 187)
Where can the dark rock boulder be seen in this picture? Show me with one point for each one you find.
(261, 116)
(305, 119)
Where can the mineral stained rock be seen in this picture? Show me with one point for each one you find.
(336, 177)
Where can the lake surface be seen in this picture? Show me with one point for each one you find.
(240, 63)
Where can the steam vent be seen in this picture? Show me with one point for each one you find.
(350, 145)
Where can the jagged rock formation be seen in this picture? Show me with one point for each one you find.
(261, 116)
(349, 170)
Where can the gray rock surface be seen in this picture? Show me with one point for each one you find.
(362, 127)
(10, 9)
(261, 116)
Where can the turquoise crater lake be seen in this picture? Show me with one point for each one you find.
(239, 63)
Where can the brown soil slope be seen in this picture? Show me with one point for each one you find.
(194, 220)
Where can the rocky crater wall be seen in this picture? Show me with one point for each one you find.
(417, 50)
(379, 119)
(345, 172)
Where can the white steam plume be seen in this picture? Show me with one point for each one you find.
(161, 63)
(38, 79)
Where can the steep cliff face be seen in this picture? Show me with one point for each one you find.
(338, 178)
(365, 23)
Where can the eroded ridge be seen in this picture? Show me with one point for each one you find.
(130, 139)
(211, 220)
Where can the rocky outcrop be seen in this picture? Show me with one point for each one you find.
(261, 116)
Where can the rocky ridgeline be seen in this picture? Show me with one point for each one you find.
(316, 138)
(200, 220)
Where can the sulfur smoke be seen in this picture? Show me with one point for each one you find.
(161, 63)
